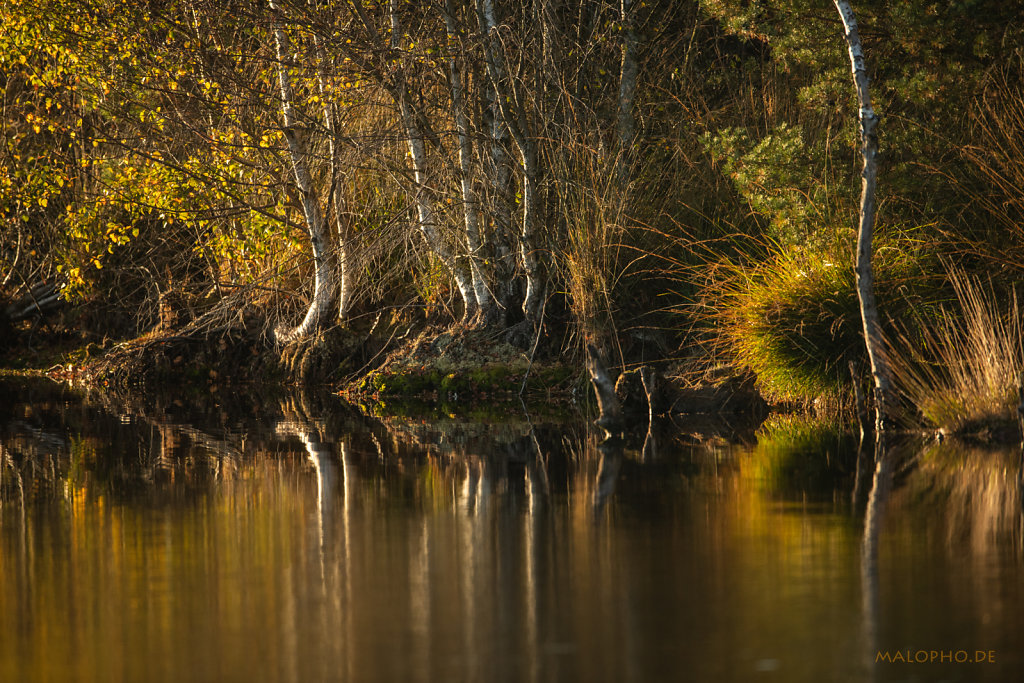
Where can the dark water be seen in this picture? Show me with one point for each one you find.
(206, 538)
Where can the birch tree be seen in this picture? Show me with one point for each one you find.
(323, 289)
(418, 156)
(499, 172)
(873, 339)
(392, 77)
(516, 120)
(481, 285)
(336, 202)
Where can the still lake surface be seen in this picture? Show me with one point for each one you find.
(231, 538)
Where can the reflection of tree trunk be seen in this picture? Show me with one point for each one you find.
(649, 451)
(6, 461)
(865, 463)
(535, 494)
(321, 457)
(607, 472)
(348, 502)
(472, 532)
(163, 466)
(537, 471)
(420, 585)
(879, 495)
(326, 468)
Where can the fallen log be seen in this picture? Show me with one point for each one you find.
(41, 298)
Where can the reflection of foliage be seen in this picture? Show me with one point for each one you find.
(975, 491)
(800, 453)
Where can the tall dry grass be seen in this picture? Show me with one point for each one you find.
(960, 369)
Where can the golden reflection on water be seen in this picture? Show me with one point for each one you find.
(468, 552)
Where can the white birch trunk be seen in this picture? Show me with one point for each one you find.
(501, 182)
(873, 339)
(323, 289)
(481, 285)
(337, 198)
(424, 208)
(527, 156)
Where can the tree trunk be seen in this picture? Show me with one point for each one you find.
(424, 207)
(501, 206)
(527, 156)
(336, 197)
(627, 87)
(873, 339)
(610, 417)
(323, 289)
(481, 284)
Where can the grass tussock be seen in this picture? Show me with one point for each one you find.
(960, 370)
(794, 321)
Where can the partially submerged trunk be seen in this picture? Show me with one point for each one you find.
(873, 338)
(323, 289)
(610, 417)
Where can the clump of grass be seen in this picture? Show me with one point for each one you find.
(794, 318)
(960, 370)
(795, 321)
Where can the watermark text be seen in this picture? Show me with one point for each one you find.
(936, 656)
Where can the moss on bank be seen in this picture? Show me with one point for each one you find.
(450, 365)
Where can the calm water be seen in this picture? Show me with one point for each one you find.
(193, 538)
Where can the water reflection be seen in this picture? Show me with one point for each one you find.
(884, 458)
(285, 539)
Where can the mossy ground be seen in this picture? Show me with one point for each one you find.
(455, 366)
